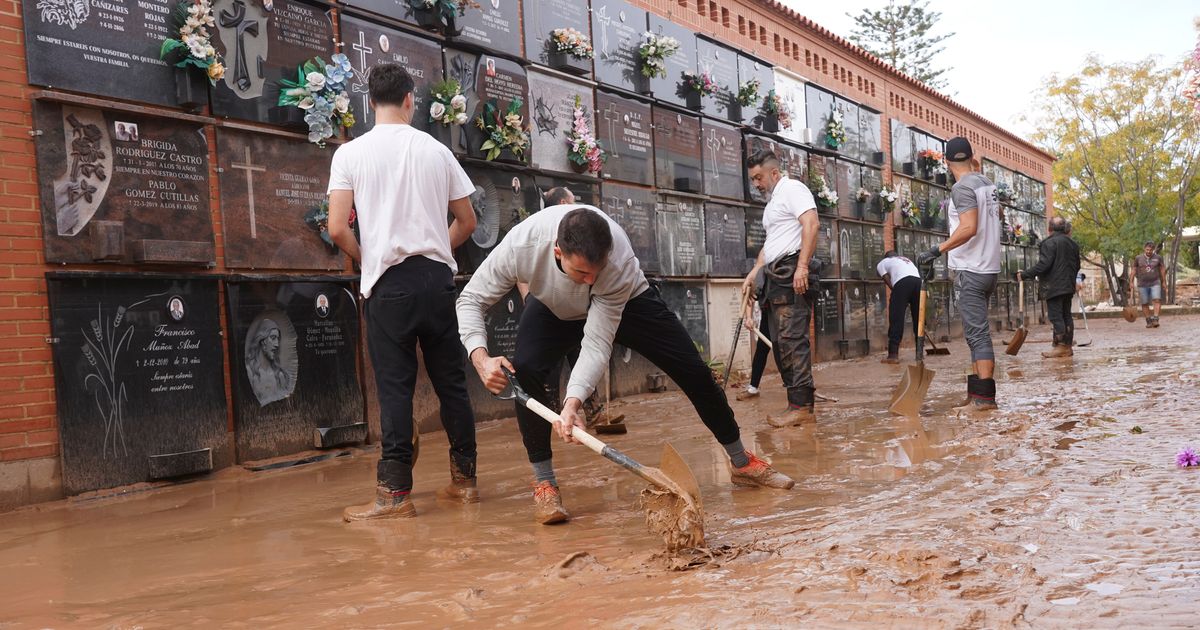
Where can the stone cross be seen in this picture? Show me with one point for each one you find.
(251, 168)
(237, 21)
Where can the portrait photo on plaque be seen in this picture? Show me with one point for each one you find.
(270, 357)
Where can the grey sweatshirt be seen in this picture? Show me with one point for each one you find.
(527, 255)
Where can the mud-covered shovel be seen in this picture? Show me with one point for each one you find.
(672, 504)
(1018, 339)
(914, 383)
(1083, 312)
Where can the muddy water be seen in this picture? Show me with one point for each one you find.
(1051, 514)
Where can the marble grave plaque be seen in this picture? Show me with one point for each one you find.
(721, 64)
(633, 209)
(552, 108)
(671, 88)
(624, 131)
(724, 168)
(367, 44)
(495, 26)
(678, 163)
(680, 235)
(725, 239)
(504, 81)
(501, 200)
(617, 29)
(543, 16)
(689, 302)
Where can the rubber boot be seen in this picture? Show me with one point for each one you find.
(893, 355)
(388, 504)
(462, 483)
(982, 392)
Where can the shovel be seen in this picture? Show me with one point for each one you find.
(935, 350)
(1018, 338)
(1083, 312)
(914, 383)
(672, 504)
(1130, 312)
(737, 335)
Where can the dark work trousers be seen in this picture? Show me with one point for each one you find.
(1058, 309)
(905, 293)
(414, 302)
(790, 315)
(649, 328)
(761, 351)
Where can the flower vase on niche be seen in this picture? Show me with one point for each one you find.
(291, 117)
(770, 123)
(565, 62)
(909, 168)
(940, 178)
(569, 50)
(451, 26)
(190, 91)
(735, 111)
(426, 18)
(860, 209)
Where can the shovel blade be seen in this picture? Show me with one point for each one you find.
(674, 468)
(909, 395)
(1018, 340)
(1130, 314)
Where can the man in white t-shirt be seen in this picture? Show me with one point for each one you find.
(904, 279)
(790, 220)
(401, 182)
(974, 260)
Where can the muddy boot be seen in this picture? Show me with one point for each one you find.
(893, 355)
(794, 416)
(388, 504)
(462, 483)
(1149, 322)
(748, 393)
(1154, 320)
(982, 393)
(547, 504)
(759, 473)
(1058, 351)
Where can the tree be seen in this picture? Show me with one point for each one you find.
(1128, 152)
(900, 35)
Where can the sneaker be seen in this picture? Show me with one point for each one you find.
(760, 474)
(462, 488)
(547, 502)
(795, 416)
(747, 394)
(1155, 320)
(1149, 322)
(388, 504)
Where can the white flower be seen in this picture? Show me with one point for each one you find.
(298, 92)
(437, 110)
(196, 47)
(306, 103)
(315, 80)
(461, 119)
(341, 102)
(459, 103)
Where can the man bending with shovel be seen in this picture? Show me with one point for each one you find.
(974, 259)
(587, 289)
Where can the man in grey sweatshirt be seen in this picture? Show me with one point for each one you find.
(587, 289)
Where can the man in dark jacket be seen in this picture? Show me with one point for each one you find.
(1057, 266)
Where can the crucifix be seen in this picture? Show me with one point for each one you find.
(251, 168)
(238, 21)
(360, 86)
(613, 116)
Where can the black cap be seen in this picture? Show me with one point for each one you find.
(958, 150)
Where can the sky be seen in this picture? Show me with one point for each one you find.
(1003, 50)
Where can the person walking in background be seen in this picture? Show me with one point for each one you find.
(905, 280)
(762, 352)
(974, 260)
(1151, 274)
(1058, 269)
(402, 182)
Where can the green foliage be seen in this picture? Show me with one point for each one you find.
(900, 34)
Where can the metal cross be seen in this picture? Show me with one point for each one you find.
(251, 168)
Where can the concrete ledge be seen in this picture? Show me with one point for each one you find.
(1167, 311)
(30, 481)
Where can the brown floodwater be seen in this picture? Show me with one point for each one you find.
(1049, 513)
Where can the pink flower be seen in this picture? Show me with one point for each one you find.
(1187, 457)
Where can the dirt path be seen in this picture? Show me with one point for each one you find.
(1049, 514)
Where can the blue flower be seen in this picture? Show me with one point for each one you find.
(343, 61)
(334, 74)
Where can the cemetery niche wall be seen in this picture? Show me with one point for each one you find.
(367, 44)
(501, 199)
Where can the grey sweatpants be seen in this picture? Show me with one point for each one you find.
(972, 291)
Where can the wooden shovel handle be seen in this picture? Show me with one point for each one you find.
(921, 313)
(587, 439)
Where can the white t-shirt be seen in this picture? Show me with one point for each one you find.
(781, 218)
(403, 181)
(981, 254)
(897, 268)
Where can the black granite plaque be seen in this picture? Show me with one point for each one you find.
(623, 129)
(543, 16)
(585, 190)
(633, 209)
(104, 48)
(724, 170)
(827, 248)
(617, 29)
(680, 235)
(269, 184)
(872, 181)
(877, 315)
(461, 66)
(869, 129)
(394, 9)
(367, 44)
(148, 174)
(677, 151)
(689, 302)
(819, 106)
(500, 323)
(501, 200)
(827, 322)
(791, 91)
(138, 373)
(503, 81)
(721, 64)
(495, 26)
(756, 234)
(852, 147)
(819, 165)
(872, 249)
(293, 351)
(725, 230)
(261, 44)
(903, 157)
(906, 243)
(751, 68)
(671, 88)
(850, 246)
(848, 181)
(939, 208)
(855, 306)
(552, 105)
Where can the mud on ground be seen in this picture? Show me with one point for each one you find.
(1050, 513)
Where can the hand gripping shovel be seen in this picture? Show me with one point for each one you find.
(672, 503)
(914, 383)
(1018, 339)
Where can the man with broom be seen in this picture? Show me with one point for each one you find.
(1057, 267)
(974, 260)
(587, 289)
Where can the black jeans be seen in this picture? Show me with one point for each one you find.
(647, 327)
(414, 302)
(761, 351)
(790, 315)
(905, 293)
(1058, 309)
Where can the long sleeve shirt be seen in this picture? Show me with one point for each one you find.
(526, 254)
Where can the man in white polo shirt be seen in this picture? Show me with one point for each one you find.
(904, 279)
(401, 182)
(790, 220)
